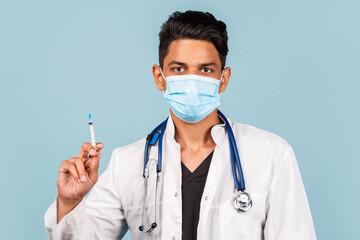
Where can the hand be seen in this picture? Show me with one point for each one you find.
(77, 176)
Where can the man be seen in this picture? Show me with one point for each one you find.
(195, 189)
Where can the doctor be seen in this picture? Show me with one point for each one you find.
(192, 194)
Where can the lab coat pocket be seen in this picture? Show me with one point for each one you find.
(243, 225)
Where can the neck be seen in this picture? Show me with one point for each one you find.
(194, 136)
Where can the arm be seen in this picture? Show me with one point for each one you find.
(287, 208)
(99, 216)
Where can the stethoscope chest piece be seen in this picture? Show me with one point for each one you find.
(242, 201)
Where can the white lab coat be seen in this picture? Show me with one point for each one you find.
(280, 208)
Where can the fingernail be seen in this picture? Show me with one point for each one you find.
(83, 178)
(92, 151)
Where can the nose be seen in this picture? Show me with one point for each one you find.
(192, 70)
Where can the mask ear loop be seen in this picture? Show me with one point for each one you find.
(222, 72)
(162, 74)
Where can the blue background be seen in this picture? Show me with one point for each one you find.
(295, 72)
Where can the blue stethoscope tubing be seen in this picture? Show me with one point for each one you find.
(242, 200)
(235, 159)
(161, 126)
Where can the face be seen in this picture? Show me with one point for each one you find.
(188, 56)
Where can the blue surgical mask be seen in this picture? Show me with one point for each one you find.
(192, 97)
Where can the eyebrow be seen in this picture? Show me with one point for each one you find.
(177, 63)
(208, 64)
(184, 64)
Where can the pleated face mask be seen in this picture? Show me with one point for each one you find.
(192, 97)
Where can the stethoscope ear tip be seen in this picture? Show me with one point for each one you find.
(153, 226)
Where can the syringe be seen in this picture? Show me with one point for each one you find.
(92, 134)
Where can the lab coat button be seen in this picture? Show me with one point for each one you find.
(206, 197)
(173, 238)
(176, 194)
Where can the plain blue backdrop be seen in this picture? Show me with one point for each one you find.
(295, 72)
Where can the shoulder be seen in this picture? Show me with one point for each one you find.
(129, 157)
(253, 133)
(262, 143)
(259, 147)
(129, 150)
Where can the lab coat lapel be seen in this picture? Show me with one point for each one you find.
(218, 162)
(171, 186)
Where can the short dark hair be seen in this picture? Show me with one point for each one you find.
(194, 25)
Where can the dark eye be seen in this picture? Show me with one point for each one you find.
(206, 70)
(177, 69)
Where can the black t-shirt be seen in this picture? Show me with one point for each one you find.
(192, 189)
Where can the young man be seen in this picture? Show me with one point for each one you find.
(194, 195)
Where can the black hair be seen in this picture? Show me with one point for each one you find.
(193, 25)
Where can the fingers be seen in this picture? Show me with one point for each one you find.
(92, 165)
(88, 149)
(76, 167)
(79, 164)
(67, 167)
(84, 166)
(99, 146)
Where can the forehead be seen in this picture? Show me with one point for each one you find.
(192, 52)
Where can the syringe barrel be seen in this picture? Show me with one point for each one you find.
(92, 135)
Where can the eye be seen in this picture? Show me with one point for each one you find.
(206, 70)
(177, 69)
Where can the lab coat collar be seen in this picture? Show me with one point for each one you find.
(218, 131)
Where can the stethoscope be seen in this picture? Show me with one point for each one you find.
(242, 201)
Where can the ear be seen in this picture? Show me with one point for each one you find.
(158, 78)
(225, 79)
